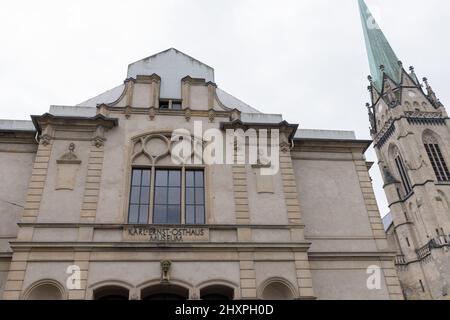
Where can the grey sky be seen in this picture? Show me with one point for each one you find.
(305, 59)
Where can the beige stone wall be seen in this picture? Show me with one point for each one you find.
(255, 242)
(17, 159)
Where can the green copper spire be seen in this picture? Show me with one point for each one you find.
(378, 49)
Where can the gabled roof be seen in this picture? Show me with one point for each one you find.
(171, 65)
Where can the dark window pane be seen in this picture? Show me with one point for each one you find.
(146, 178)
(161, 178)
(189, 178)
(134, 198)
(160, 195)
(159, 214)
(174, 215)
(190, 196)
(136, 178)
(133, 214)
(145, 195)
(176, 106)
(199, 178)
(174, 196)
(143, 214)
(174, 178)
(200, 214)
(190, 215)
(199, 196)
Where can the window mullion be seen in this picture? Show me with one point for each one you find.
(152, 195)
(183, 195)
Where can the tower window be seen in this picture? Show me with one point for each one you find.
(437, 162)
(403, 175)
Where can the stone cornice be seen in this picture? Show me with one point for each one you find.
(120, 226)
(300, 144)
(18, 137)
(145, 246)
(48, 119)
(283, 126)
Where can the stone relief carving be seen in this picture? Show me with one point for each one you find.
(69, 157)
(211, 115)
(68, 166)
(165, 270)
(99, 137)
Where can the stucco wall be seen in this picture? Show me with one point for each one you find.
(15, 173)
(331, 200)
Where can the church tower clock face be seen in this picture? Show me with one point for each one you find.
(411, 94)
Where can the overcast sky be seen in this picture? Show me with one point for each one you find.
(305, 59)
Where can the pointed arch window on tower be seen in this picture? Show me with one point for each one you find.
(403, 173)
(437, 160)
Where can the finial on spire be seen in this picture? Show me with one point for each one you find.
(431, 94)
(400, 63)
(411, 68)
(382, 68)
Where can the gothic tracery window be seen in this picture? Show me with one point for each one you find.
(436, 157)
(161, 191)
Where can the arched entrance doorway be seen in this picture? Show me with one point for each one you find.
(111, 293)
(165, 292)
(217, 292)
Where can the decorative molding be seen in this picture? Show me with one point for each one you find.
(188, 114)
(211, 115)
(69, 157)
(151, 113)
(165, 271)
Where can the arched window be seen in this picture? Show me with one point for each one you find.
(45, 290)
(217, 292)
(111, 293)
(436, 158)
(277, 289)
(401, 169)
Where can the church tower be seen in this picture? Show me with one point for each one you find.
(411, 133)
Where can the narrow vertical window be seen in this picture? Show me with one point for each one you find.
(167, 203)
(421, 286)
(403, 175)
(139, 196)
(195, 197)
